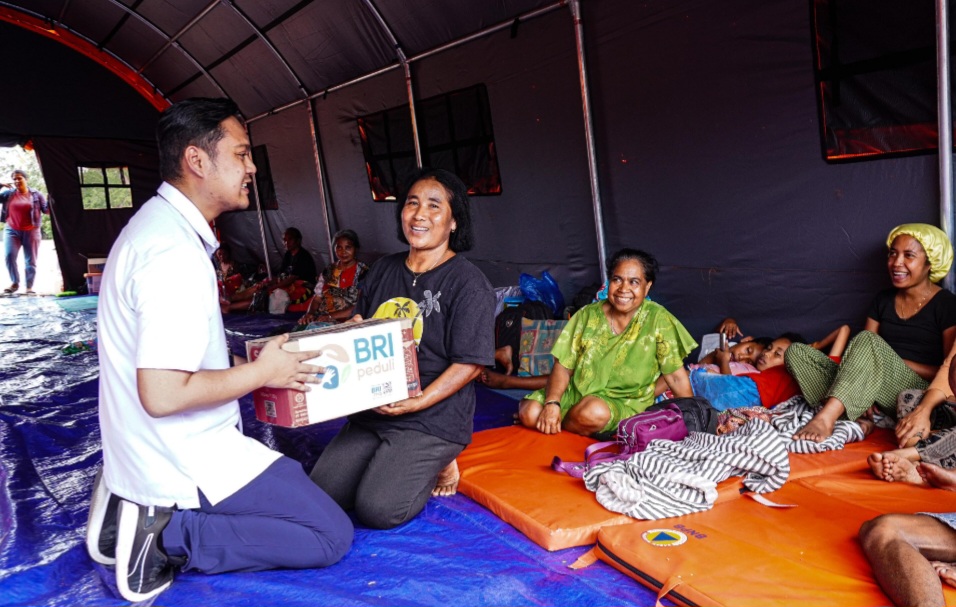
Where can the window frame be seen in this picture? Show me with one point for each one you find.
(393, 162)
(106, 186)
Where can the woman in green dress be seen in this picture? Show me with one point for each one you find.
(610, 354)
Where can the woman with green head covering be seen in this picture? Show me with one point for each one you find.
(909, 329)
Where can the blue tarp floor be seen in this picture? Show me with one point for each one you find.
(454, 553)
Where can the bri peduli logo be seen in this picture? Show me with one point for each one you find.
(664, 538)
(373, 355)
(330, 380)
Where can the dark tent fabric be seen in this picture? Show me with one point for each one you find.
(706, 124)
(54, 91)
(80, 233)
(707, 143)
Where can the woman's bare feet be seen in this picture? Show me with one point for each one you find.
(817, 430)
(938, 477)
(447, 483)
(891, 466)
(945, 571)
(821, 426)
(866, 424)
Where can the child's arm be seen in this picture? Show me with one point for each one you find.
(722, 357)
(837, 340)
(730, 328)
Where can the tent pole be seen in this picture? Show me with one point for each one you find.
(575, 6)
(323, 195)
(406, 67)
(945, 126)
(411, 106)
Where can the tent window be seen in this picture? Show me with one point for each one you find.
(876, 74)
(105, 186)
(455, 133)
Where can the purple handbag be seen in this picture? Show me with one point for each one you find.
(633, 436)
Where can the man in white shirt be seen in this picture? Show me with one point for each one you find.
(181, 485)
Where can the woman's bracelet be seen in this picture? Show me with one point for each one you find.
(552, 402)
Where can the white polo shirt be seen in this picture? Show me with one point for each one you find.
(159, 309)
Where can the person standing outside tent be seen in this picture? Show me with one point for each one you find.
(22, 207)
(181, 486)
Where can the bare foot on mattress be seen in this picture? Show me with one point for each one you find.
(817, 430)
(892, 467)
(875, 461)
(938, 477)
(945, 571)
(821, 426)
(447, 483)
(866, 424)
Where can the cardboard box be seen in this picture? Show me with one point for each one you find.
(368, 364)
(93, 282)
(95, 265)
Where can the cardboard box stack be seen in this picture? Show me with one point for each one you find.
(367, 364)
(94, 273)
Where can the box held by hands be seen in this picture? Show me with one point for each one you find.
(367, 364)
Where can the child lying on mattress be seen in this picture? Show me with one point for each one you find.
(771, 384)
(743, 353)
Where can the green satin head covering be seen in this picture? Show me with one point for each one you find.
(939, 251)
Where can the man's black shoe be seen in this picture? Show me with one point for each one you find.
(142, 568)
(101, 523)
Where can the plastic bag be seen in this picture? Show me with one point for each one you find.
(503, 293)
(543, 289)
(278, 301)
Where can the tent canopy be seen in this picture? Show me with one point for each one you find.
(706, 124)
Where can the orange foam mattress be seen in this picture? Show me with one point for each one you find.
(742, 553)
(850, 458)
(508, 470)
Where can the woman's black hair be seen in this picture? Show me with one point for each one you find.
(20, 172)
(348, 235)
(766, 342)
(462, 238)
(795, 338)
(646, 260)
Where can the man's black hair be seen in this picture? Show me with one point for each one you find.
(196, 121)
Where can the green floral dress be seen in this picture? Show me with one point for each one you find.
(621, 370)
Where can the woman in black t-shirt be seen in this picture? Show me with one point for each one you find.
(909, 330)
(385, 463)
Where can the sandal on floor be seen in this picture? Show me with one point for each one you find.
(12, 288)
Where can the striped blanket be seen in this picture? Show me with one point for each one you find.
(675, 478)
